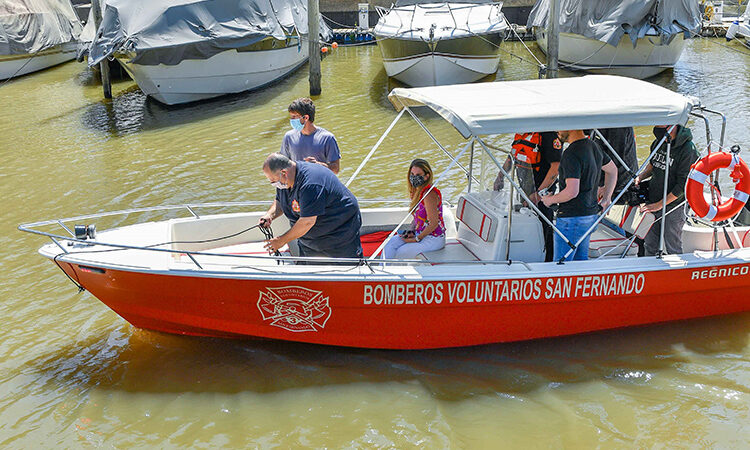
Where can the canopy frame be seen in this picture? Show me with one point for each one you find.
(454, 119)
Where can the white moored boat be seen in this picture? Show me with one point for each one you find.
(184, 51)
(209, 275)
(630, 38)
(740, 28)
(432, 43)
(36, 35)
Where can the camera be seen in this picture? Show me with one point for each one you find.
(636, 195)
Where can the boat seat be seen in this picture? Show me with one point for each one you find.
(617, 229)
(454, 250)
(604, 239)
(629, 220)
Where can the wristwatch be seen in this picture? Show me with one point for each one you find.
(416, 237)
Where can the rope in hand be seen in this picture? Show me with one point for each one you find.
(268, 234)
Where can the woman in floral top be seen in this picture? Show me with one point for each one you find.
(427, 232)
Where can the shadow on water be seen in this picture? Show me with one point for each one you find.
(134, 360)
(381, 86)
(131, 111)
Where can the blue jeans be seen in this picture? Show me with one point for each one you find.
(573, 228)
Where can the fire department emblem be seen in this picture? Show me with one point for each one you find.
(295, 206)
(557, 144)
(294, 308)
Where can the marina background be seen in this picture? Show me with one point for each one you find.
(73, 374)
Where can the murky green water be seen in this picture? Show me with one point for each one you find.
(73, 374)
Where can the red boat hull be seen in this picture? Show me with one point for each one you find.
(414, 315)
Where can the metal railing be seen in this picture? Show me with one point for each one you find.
(88, 247)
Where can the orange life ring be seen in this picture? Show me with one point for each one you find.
(698, 177)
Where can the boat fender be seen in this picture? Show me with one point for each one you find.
(732, 30)
(698, 176)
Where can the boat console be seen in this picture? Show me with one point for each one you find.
(482, 232)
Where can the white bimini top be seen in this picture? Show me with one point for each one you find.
(592, 101)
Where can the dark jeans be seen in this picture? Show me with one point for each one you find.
(345, 250)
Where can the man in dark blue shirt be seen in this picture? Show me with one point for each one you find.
(323, 214)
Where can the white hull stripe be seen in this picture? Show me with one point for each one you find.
(711, 213)
(741, 196)
(697, 175)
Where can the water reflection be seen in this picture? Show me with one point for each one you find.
(141, 361)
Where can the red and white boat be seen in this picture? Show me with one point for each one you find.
(207, 275)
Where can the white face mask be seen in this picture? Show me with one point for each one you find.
(279, 184)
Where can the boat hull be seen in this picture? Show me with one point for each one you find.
(419, 313)
(648, 58)
(17, 65)
(447, 61)
(227, 72)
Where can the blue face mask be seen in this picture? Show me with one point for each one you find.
(296, 124)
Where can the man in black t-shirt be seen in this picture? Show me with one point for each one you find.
(545, 160)
(323, 214)
(579, 207)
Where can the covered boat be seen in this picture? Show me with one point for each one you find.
(188, 50)
(36, 34)
(427, 43)
(633, 38)
(208, 275)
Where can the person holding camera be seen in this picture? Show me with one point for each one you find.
(427, 232)
(682, 155)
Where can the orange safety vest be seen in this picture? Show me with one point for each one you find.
(526, 148)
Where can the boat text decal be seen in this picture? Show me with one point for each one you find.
(718, 273)
(503, 290)
(294, 308)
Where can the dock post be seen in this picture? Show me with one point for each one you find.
(313, 27)
(553, 38)
(104, 65)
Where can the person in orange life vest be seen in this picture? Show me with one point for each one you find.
(537, 157)
(427, 231)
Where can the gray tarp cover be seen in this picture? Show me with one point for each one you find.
(608, 20)
(30, 26)
(170, 31)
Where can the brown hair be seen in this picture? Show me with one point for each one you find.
(304, 107)
(414, 192)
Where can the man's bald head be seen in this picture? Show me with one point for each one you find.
(276, 162)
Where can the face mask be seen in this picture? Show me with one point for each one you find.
(296, 124)
(416, 180)
(659, 132)
(280, 185)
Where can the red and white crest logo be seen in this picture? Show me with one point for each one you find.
(294, 308)
(295, 206)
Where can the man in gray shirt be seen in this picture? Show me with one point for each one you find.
(306, 142)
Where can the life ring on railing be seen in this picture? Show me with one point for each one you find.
(698, 177)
